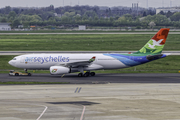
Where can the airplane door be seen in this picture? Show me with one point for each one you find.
(22, 60)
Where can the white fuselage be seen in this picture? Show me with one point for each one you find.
(45, 61)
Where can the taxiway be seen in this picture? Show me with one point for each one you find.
(125, 101)
(98, 79)
(103, 97)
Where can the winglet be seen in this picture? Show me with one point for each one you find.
(156, 44)
(92, 59)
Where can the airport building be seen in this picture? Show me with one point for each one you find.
(5, 27)
(82, 27)
(165, 10)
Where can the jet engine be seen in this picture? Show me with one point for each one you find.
(56, 70)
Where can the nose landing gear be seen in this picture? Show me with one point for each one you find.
(29, 74)
(25, 70)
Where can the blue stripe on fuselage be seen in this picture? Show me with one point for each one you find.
(131, 60)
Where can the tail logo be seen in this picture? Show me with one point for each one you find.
(155, 43)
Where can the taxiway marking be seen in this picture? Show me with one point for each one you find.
(83, 113)
(78, 89)
(42, 113)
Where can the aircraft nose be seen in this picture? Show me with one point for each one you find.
(11, 63)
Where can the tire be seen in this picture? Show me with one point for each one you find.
(16, 74)
(93, 73)
(29, 74)
(86, 74)
(80, 75)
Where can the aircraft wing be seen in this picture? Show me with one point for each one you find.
(80, 63)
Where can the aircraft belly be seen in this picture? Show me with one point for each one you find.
(93, 67)
(115, 64)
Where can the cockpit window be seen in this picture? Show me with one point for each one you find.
(14, 58)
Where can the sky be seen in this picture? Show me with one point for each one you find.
(109, 3)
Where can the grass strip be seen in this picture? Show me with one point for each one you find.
(82, 42)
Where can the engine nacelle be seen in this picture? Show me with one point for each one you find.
(56, 70)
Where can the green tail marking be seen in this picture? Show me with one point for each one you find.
(156, 44)
(151, 48)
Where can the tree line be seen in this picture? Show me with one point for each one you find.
(87, 15)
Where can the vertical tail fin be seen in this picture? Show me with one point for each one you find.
(156, 44)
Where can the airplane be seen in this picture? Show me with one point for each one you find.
(69, 63)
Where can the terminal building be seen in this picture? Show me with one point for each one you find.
(165, 10)
(5, 27)
(82, 27)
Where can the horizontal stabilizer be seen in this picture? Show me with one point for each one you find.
(153, 57)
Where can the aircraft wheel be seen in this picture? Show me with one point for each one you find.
(16, 74)
(92, 73)
(80, 75)
(86, 74)
(29, 74)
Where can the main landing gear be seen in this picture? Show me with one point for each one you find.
(87, 74)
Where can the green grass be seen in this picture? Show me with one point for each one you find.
(169, 64)
(81, 42)
(30, 83)
(4, 66)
